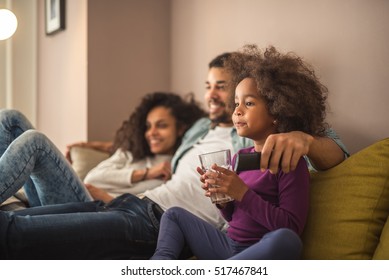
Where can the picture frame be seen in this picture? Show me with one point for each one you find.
(55, 16)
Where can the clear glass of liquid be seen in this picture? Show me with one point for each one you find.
(221, 158)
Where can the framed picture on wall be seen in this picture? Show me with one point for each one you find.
(55, 16)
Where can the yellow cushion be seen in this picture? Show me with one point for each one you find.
(382, 252)
(349, 206)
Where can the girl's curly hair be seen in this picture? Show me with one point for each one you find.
(293, 94)
(131, 135)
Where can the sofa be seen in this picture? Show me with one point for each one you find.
(349, 207)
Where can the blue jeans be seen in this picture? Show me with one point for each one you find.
(65, 224)
(28, 158)
(126, 228)
(180, 227)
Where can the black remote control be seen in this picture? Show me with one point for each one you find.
(249, 161)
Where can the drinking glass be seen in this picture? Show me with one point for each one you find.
(221, 158)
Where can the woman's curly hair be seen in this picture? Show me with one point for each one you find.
(131, 135)
(293, 94)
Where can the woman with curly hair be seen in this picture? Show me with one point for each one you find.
(143, 146)
(274, 93)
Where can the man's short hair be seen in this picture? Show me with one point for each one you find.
(218, 62)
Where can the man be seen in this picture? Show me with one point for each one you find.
(128, 226)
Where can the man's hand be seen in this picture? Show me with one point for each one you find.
(284, 150)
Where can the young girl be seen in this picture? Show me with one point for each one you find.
(275, 93)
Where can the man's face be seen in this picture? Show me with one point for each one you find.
(217, 96)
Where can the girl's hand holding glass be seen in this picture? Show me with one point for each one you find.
(228, 182)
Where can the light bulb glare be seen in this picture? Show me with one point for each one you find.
(8, 24)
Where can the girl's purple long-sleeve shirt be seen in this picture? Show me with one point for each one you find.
(273, 201)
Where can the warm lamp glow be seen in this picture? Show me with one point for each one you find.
(8, 24)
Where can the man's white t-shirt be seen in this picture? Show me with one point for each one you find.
(184, 188)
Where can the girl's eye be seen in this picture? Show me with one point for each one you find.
(249, 104)
(236, 105)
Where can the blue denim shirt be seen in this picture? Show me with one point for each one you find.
(330, 133)
(202, 127)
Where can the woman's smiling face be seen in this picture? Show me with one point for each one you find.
(161, 130)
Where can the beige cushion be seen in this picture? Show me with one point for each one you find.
(84, 159)
(349, 206)
(16, 202)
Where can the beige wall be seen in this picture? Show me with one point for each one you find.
(18, 60)
(347, 41)
(91, 75)
(62, 77)
(128, 56)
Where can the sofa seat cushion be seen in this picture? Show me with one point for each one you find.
(349, 206)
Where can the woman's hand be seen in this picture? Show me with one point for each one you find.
(228, 182)
(162, 171)
(98, 194)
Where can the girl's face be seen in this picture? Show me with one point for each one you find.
(250, 116)
(161, 131)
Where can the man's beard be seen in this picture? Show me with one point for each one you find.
(223, 118)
